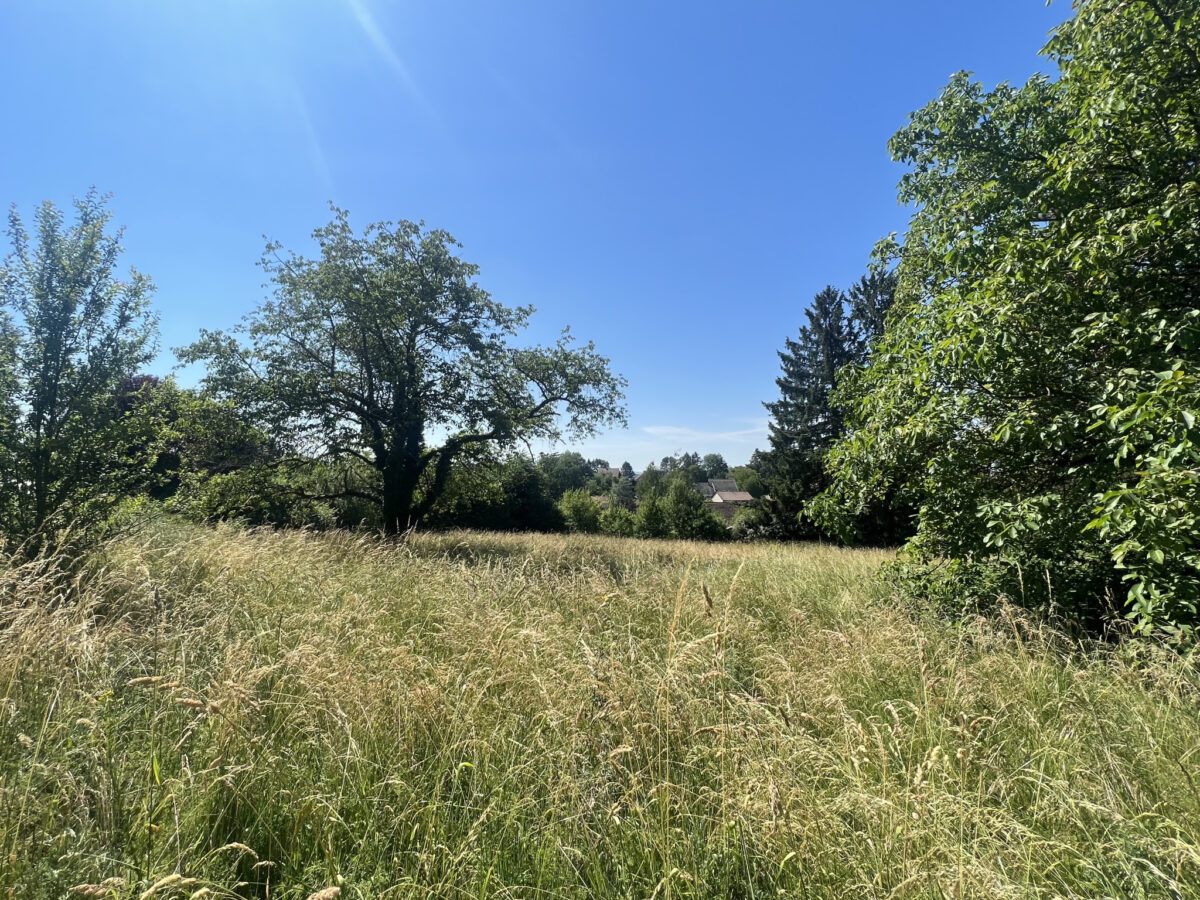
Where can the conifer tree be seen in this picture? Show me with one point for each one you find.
(870, 299)
(803, 421)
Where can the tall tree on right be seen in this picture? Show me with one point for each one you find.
(1037, 388)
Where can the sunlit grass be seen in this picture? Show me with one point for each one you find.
(232, 714)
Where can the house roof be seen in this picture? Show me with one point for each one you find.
(732, 497)
(721, 485)
(705, 489)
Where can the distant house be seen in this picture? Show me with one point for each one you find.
(722, 490)
(610, 472)
(732, 497)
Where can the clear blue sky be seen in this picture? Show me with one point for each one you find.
(672, 180)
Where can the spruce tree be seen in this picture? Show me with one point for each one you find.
(870, 299)
(803, 420)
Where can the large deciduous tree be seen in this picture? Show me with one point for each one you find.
(1037, 388)
(72, 335)
(566, 471)
(714, 465)
(384, 349)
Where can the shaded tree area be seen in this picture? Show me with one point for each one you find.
(498, 494)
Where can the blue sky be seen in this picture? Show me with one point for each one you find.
(672, 180)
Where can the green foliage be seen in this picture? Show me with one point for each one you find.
(649, 483)
(600, 484)
(580, 511)
(529, 503)
(687, 515)
(714, 466)
(804, 421)
(566, 471)
(1036, 390)
(509, 494)
(652, 517)
(197, 436)
(870, 299)
(750, 523)
(618, 521)
(623, 494)
(385, 339)
(691, 468)
(281, 496)
(748, 480)
(72, 335)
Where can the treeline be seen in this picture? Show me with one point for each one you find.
(318, 412)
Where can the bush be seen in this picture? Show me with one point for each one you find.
(580, 511)
(497, 495)
(617, 520)
(256, 495)
(749, 524)
(688, 517)
(651, 519)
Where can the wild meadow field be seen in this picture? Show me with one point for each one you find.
(209, 712)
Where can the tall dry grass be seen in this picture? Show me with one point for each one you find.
(215, 713)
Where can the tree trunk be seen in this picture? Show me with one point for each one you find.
(397, 503)
(400, 478)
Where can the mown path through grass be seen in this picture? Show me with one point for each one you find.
(233, 714)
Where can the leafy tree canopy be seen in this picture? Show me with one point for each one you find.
(580, 511)
(73, 333)
(622, 494)
(1036, 388)
(748, 480)
(383, 344)
(650, 482)
(566, 471)
(714, 465)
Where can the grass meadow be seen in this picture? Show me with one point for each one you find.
(210, 712)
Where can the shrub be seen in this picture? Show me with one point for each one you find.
(617, 520)
(580, 511)
(688, 517)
